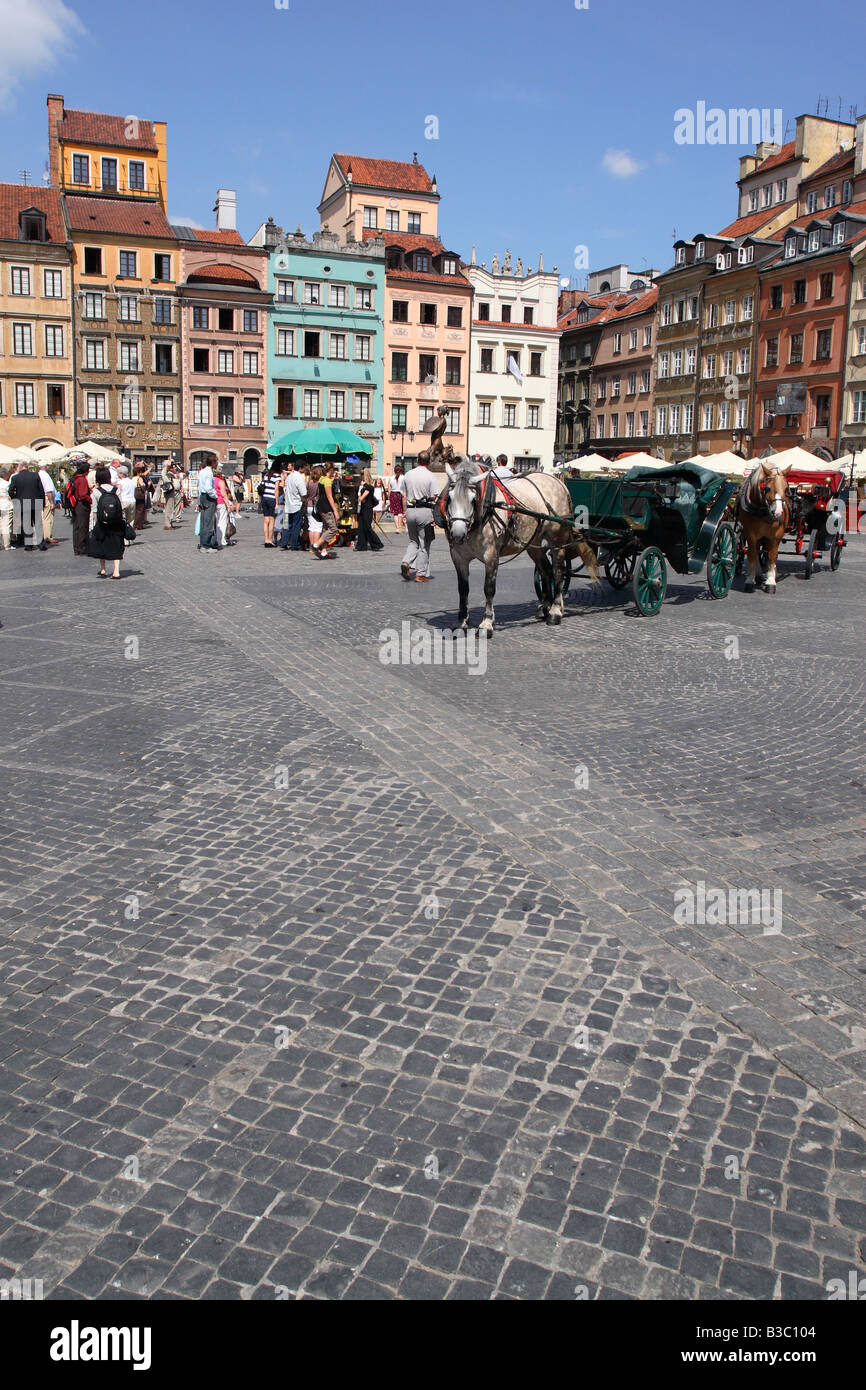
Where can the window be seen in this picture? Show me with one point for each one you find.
(163, 408)
(53, 341)
(312, 292)
(680, 258)
(730, 311)
(25, 398)
(336, 405)
(285, 291)
(745, 255)
(811, 202)
(362, 405)
(251, 411)
(535, 360)
(225, 320)
(664, 364)
(92, 260)
(693, 306)
(94, 354)
(52, 284)
(130, 405)
(312, 344)
(647, 337)
(753, 200)
(644, 424)
(533, 417)
(506, 313)
(452, 420)
(486, 360)
(768, 413)
(691, 361)
(128, 264)
(452, 371)
(225, 361)
(162, 310)
(484, 408)
(371, 217)
(796, 347)
(399, 366)
(509, 415)
(708, 416)
(392, 221)
(847, 189)
(398, 417)
(201, 410)
(136, 175)
(285, 401)
(861, 340)
(617, 342)
(95, 405)
(421, 261)
(225, 410)
(363, 348)
(251, 320)
(428, 313)
(632, 340)
(710, 365)
(251, 364)
(426, 367)
(677, 369)
(838, 233)
(285, 342)
(775, 296)
(742, 406)
(700, 248)
(162, 267)
(645, 380)
(822, 410)
(858, 408)
(727, 363)
(823, 344)
(614, 424)
(130, 357)
(791, 246)
(675, 419)
(766, 195)
(455, 316)
(688, 418)
(81, 168)
(55, 398)
(163, 359)
(337, 347)
(814, 241)
(781, 190)
(747, 305)
(798, 295)
(830, 195)
(614, 388)
(201, 360)
(724, 415)
(712, 315)
(22, 340)
(484, 313)
(200, 316)
(601, 390)
(337, 296)
(414, 225)
(744, 360)
(400, 311)
(599, 427)
(127, 308)
(363, 297)
(826, 286)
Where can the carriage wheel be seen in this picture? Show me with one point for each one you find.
(722, 560)
(619, 568)
(650, 581)
(811, 551)
(835, 553)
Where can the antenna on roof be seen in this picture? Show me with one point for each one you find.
(24, 175)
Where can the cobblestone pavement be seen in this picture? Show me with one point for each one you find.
(324, 978)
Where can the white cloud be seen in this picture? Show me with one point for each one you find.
(620, 163)
(185, 222)
(36, 34)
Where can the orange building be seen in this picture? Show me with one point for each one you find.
(116, 156)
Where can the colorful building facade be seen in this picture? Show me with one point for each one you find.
(92, 154)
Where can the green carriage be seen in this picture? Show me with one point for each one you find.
(654, 517)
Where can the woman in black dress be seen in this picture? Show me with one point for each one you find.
(367, 538)
(143, 497)
(108, 533)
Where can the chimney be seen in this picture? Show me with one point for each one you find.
(860, 146)
(55, 116)
(765, 149)
(226, 209)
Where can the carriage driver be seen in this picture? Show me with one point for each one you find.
(421, 487)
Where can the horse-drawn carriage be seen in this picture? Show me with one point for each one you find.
(813, 519)
(651, 518)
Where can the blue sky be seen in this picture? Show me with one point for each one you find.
(555, 124)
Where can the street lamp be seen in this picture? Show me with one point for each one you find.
(402, 433)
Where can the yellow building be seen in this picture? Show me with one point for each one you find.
(117, 156)
(36, 393)
(363, 195)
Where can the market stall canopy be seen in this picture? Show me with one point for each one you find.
(844, 463)
(321, 439)
(731, 464)
(97, 453)
(52, 453)
(590, 463)
(799, 459)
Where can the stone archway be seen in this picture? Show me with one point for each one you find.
(252, 462)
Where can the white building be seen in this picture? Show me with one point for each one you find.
(514, 348)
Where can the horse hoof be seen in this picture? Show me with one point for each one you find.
(541, 615)
(769, 588)
(556, 619)
(748, 588)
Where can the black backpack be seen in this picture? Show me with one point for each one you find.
(109, 512)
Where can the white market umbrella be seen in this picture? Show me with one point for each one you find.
(799, 459)
(96, 452)
(53, 453)
(843, 464)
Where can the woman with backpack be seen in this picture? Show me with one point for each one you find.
(108, 533)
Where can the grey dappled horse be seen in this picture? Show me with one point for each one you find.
(485, 520)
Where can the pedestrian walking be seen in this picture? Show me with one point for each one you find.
(421, 488)
(5, 509)
(126, 492)
(295, 499)
(395, 499)
(171, 483)
(207, 505)
(28, 502)
(239, 487)
(270, 489)
(107, 536)
(225, 504)
(48, 508)
(366, 538)
(143, 497)
(81, 501)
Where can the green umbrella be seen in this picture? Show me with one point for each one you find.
(324, 439)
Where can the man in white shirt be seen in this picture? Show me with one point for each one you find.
(207, 505)
(421, 487)
(126, 491)
(47, 482)
(501, 470)
(294, 501)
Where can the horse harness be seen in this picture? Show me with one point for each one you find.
(759, 507)
(492, 500)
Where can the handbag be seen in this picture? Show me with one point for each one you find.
(129, 532)
(198, 524)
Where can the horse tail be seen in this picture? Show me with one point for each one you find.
(590, 560)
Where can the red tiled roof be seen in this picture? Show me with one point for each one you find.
(784, 156)
(15, 197)
(407, 241)
(230, 274)
(93, 128)
(229, 238)
(122, 216)
(833, 166)
(431, 279)
(619, 306)
(753, 220)
(385, 173)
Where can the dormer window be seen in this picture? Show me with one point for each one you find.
(838, 233)
(681, 255)
(727, 260)
(449, 266)
(720, 261)
(422, 262)
(745, 255)
(790, 247)
(815, 241)
(700, 247)
(31, 225)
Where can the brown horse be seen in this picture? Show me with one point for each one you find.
(486, 522)
(764, 513)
